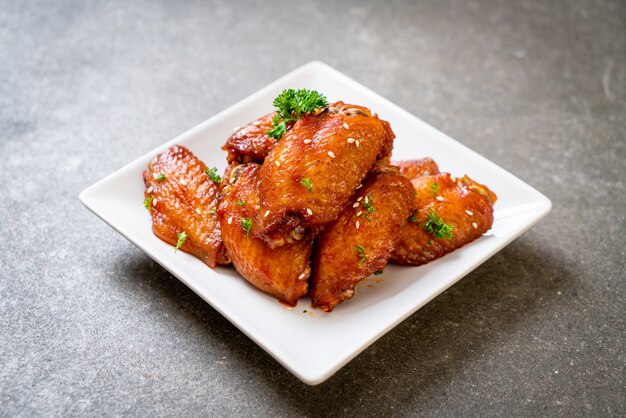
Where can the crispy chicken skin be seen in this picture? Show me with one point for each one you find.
(333, 150)
(338, 263)
(462, 203)
(414, 169)
(180, 197)
(251, 143)
(284, 271)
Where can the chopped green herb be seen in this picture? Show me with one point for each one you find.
(161, 177)
(413, 218)
(246, 224)
(182, 237)
(378, 272)
(360, 250)
(147, 202)
(213, 211)
(430, 242)
(368, 205)
(241, 203)
(306, 182)
(304, 311)
(435, 187)
(212, 173)
(290, 105)
(436, 226)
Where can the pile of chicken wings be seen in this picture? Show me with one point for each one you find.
(317, 211)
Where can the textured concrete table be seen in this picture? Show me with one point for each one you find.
(89, 325)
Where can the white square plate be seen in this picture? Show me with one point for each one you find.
(314, 345)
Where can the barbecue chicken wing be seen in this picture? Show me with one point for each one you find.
(307, 179)
(251, 143)
(448, 213)
(180, 197)
(283, 271)
(414, 169)
(361, 240)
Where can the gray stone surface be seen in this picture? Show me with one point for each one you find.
(89, 325)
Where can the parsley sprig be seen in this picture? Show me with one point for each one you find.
(212, 173)
(306, 182)
(246, 224)
(182, 237)
(436, 226)
(290, 105)
(360, 250)
(368, 205)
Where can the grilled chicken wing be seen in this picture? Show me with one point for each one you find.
(180, 197)
(414, 169)
(251, 143)
(282, 272)
(307, 179)
(361, 240)
(462, 204)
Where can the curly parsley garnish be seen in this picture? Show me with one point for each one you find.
(434, 188)
(436, 226)
(306, 182)
(290, 105)
(182, 237)
(360, 250)
(212, 173)
(147, 202)
(246, 224)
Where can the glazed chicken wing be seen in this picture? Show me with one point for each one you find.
(307, 179)
(448, 213)
(180, 197)
(283, 271)
(414, 169)
(361, 240)
(251, 143)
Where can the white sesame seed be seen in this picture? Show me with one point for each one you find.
(236, 128)
(367, 199)
(359, 199)
(359, 186)
(469, 212)
(150, 189)
(331, 154)
(183, 182)
(359, 213)
(440, 198)
(308, 141)
(232, 180)
(345, 125)
(302, 276)
(453, 178)
(257, 207)
(351, 140)
(267, 212)
(357, 224)
(198, 211)
(357, 144)
(155, 176)
(277, 163)
(474, 224)
(309, 211)
(356, 205)
(154, 201)
(230, 220)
